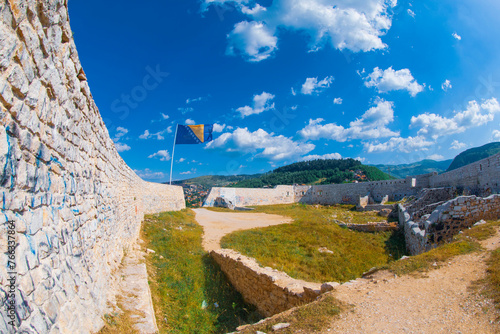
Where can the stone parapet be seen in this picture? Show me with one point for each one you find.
(71, 200)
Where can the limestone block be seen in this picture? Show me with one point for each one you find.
(7, 97)
(18, 80)
(8, 45)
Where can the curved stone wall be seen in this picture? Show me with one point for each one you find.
(70, 205)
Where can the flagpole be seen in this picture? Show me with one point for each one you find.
(173, 151)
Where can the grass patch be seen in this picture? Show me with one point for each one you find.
(493, 278)
(294, 248)
(118, 323)
(308, 318)
(464, 243)
(190, 293)
(425, 261)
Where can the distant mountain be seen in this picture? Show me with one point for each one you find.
(316, 172)
(474, 154)
(209, 181)
(416, 168)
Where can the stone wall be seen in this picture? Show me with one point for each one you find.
(481, 177)
(446, 221)
(270, 290)
(67, 199)
(251, 196)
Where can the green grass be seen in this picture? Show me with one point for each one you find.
(493, 277)
(306, 319)
(293, 248)
(464, 243)
(185, 282)
(425, 261)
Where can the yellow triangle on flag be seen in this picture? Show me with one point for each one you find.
(198, 130)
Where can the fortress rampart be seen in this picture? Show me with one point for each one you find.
(70, 203)
(481, 178)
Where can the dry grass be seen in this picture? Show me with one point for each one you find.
(119, 323)
(308, 318)
(493, 277)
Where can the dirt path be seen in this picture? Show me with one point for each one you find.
(218, 224)
(440, 301)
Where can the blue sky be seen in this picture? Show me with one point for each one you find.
(289, 80)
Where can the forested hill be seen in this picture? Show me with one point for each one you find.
(474, 154)
(316, 172)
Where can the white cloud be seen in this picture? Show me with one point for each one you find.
(312, 85)
(185, 110)
(120, 132)
(197, 99)
(372, 124)
(148, 174)
(218, 127)
(411, 13)
(406, 145)
(121, 147)
(322, 157)
(437, 157)
(186, 173)
(496, 135)
(446, 85)
(252, 40)
(182, 159)
(457, 36)
(337, 100)
(345, 24)
(389, 80)
(163, 155)
(475, 115)
(456, 145)
(293, 91)
(164, 116)
(261, 103)
(158, 135)
(260, 143)
(190, 122)
(360, 159)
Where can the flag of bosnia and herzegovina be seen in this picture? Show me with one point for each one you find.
(194, 134)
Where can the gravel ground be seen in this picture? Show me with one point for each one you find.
(439, 301)
(217, 224)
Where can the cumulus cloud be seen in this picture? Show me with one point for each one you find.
(120, 132)
(405, 145)
(158, 135)
(475, 115)
(164, 116)
(189, 121)
(437, 157)
(446, 85)
(321, 157)
(372, 124)
(337, 100)
(121, 147)
(260, 143)
(261, 103)
(148, 174)
(457, 36)
(353, 25)
(496, 135)
(312, 85)
(389, 80)
(218, 127)
(163, 155)
(252, 40)
(456, 145)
